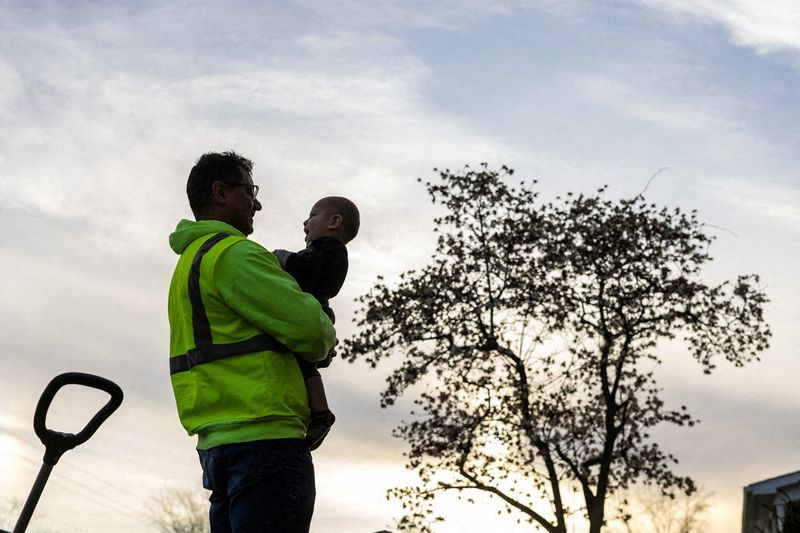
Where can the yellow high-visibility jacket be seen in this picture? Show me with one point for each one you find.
(236, 322)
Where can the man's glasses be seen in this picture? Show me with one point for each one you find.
(252, 190)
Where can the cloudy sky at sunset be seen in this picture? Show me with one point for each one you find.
(105, 106)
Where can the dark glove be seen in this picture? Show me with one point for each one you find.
(325, 363)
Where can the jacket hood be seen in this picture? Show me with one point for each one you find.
(189, 230)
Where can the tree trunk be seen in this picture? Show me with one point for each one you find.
(596, 515)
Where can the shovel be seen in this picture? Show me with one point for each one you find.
(55, 442)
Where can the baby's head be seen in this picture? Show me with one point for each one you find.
(332, 216)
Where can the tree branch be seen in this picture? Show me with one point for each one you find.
(540, 444)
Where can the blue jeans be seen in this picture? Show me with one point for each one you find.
(265, 486)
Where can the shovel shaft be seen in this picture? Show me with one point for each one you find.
(33, 498)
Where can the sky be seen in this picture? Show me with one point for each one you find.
(105, 106)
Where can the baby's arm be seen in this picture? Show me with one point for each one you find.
(319, 270)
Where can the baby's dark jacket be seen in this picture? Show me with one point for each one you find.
(320, 269)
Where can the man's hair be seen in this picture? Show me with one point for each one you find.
(209, 168)
(351, 220)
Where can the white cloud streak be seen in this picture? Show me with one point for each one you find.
(659, 111)
(761, 199)
(764, 26)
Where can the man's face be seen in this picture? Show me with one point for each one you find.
(317, 223)
(242, 205)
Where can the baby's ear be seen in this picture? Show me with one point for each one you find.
(335, 222)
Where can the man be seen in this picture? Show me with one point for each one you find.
(236, 321)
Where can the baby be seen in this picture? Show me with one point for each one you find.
(320, 270)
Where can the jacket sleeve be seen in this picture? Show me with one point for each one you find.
(252, 283)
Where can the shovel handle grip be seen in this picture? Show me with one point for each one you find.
(56, 442)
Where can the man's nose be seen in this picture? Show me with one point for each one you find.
(256, 205)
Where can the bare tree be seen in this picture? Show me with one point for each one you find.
(177, 510)
(534, 335)
(654, 512)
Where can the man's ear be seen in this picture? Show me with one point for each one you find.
(335, 222)
(218, 192)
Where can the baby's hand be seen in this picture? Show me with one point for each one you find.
(282, 256)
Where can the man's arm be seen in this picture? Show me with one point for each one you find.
(253, 283)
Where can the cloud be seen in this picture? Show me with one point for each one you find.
(115, 131)
(764, 26)
(389, 15)
(764, 199)
(647, 105)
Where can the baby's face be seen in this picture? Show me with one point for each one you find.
(319, 221)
